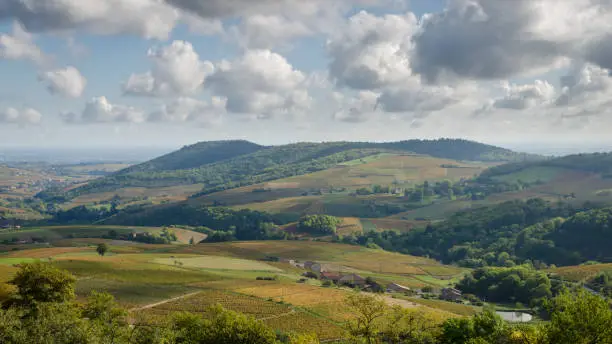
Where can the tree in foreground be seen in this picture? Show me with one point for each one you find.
(221, 326)
(38, 283)
(102, 249)
(580, 318)
(368, 311)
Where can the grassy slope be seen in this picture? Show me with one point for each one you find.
(581, 272)
(203, 162)
(140, 274)
(386, 169)
(56, 233)
(59, 232)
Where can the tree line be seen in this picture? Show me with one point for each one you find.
(535, 231)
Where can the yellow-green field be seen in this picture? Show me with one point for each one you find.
(57, 233)
(155, 195)
(218, 263)
(581, 272)
(156, 280)
(384, 169)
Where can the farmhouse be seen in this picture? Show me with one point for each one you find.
(330, 276)
(308, 265)
(319, 267)
(352, 279)
(288, 261)
(450, 294)
(397, 288)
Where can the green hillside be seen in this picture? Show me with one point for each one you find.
(196, 155)
(229, 164)
(600, 163)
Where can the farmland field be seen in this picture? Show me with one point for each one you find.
(580, 272)
(533, 174)
(155, 195)
(218, 263)
(384, 169)
(59, 232)
(156, 280)
(279, 316)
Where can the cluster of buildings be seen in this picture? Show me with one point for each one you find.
(332, 273)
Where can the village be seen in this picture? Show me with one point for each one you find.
(333, 275)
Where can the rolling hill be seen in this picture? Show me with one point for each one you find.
(223, 165)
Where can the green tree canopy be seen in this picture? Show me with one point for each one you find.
(318, 224)
(102, 249)
(42, 283)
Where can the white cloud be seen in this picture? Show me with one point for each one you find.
(67, 82)
(190, 110)
(260, 83)
(584, 84)
(146, 18)
(372, 52)
(420, 100)
(586, 94)
(267, 31)
(355, 109)
(521, 97)
(487, 39)
(26, 116)
(177, 70)
(100, 110)
(20, 46)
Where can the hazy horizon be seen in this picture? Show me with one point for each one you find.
(140, 153)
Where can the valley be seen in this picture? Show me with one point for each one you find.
(288, 234)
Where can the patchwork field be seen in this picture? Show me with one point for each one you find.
(383, 169)
(218, 263)
(135, 195)
(57, 233)
(581, 272)
(156, 280)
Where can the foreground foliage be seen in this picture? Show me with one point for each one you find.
(42, 309)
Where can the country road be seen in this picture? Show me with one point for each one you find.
(163, 302)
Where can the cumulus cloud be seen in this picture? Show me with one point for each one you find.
(26, 116)
(498, 39)
(260, 82)
(177, 70)
(267, 31)
(372, 52)
(190, 110)
(585, 93)
(20, 46)
(521, 97)
(584, 83)
(146, 18)
(67, 82)
(355, 109)
(420, 101)
(100, 110)
(484, 39)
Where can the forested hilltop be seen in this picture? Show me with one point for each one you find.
(224, 165)
(600, 163)
(535, 232)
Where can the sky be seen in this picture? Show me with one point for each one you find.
(165, 73)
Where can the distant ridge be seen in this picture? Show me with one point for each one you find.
(196, 155)
(221, 165)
